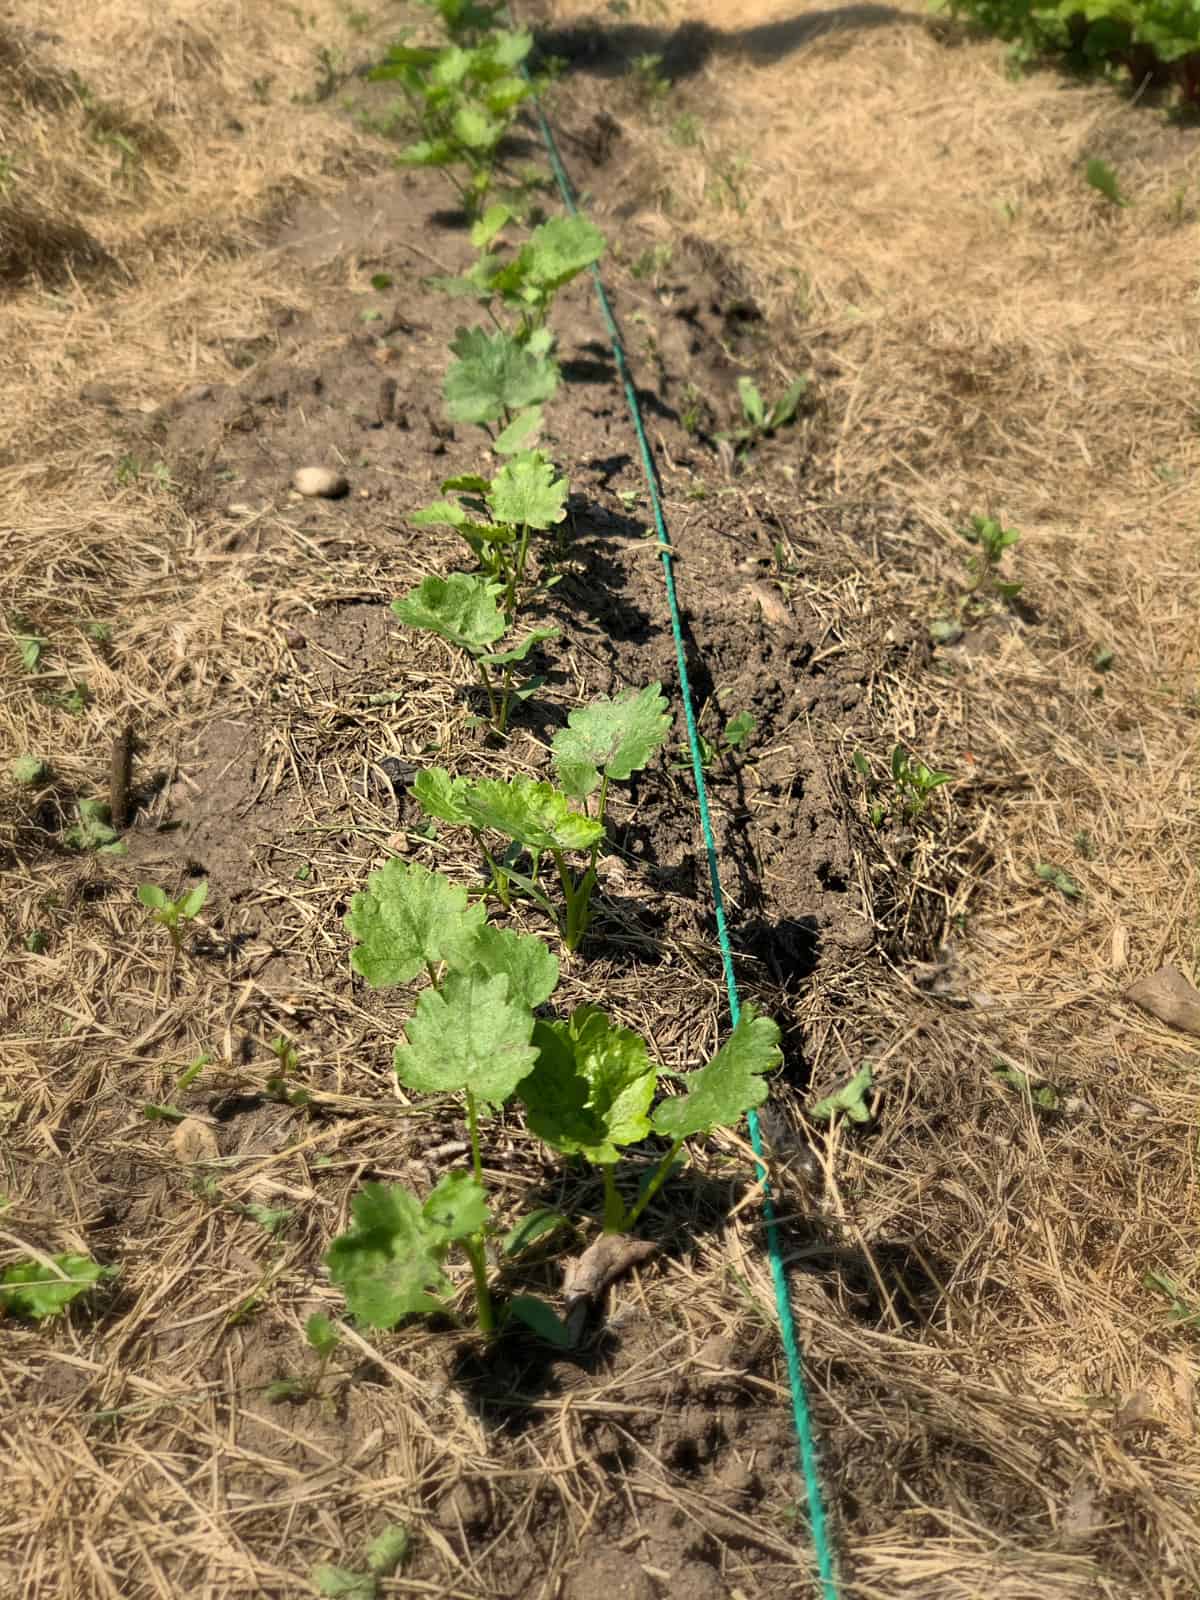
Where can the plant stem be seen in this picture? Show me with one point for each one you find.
(491, 693)
(578, 896)
(499, 877)
(614, 1206)
(506, 702)
(483, 1295)
(656, 1182)
(517, 573)
(473, 1128)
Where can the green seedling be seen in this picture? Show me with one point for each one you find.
(604, 742)
(1044, 1095)
(1184, 1313)
(649, 85)
(288, 1059)
(36, 941)
(44, 1287)
(385, 1555)
(173, 915)
(1101, 177)
(94, 830)
(31, 645)
(170, 1112)
(30, 771)
(1059, 879)
(991, 539)
(464, 100)
(758, 420)
(850, 1100)
(464, 609)
(528, 282)
(323, 1339)
(465, 21)
(737, 730)
(915, 782)
(496, 378)
(525, 495)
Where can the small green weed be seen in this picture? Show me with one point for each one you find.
(760, 421)
(173, 915)
(1101, 177)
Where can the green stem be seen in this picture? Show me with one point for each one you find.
(473, 1129)
(483, 1295)
(577, 896)
(499, 877)
(487, 684)
(656, 1182)
(614, 1206)
(506, 701)
(517, 573)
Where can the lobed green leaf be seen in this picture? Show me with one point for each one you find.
(528, 493)
(409, 918)
(462, 609)
(472, 1035)
(732, 1083)
(536, 815)
(388, 1264)
(591, 1088)
(613, 738)
(494, 373)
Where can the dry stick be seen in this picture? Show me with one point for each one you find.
(120, 774)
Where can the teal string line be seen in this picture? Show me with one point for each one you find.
(801, 1414)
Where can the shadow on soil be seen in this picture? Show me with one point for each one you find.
(683, 51)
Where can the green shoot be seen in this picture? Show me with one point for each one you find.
(43, 1287)
(323, 1339)
(1101, 177)
(288, 1057)
(173, 915)
(992, 539)
(610, 739)
(1044, 1096)
(170, 1112)
(760, 421)
(1059, 879)
(385, 1554)
(31, 645)
(850, 1100)
(464, 610)
(94, 830)
(528, 282)
(389, 1264)
(525, 495)
(915, 782)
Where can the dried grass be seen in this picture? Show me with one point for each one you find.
(1004, 1410)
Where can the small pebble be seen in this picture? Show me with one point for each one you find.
(320, 482)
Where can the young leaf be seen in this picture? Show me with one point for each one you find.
(30, 771)
(322, 1336)
(752, 402)
(29, 1289)
(537, 1225)
(784, 408)
(527, 493)
(518, 652)
(439, 795)
(388, 1549)
(591, 1088)
(493, 221)
(342, 1583)
(471, 1035)
(738, 729)
(732, 1083)
(615, 738)
(446, 514)
(152, 897)
(541, 1319)
(389, 1262)
(530, 966)
(461, 609)
(533, 814)
(520, 433)
(559, 249)
(456, 1208)
(850, 1098)
(408, 918)
(192, 903)
(494, 374)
